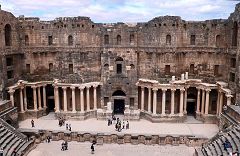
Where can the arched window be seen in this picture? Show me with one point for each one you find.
(131, 38)
(218, 41)
(118, 39)
(26, 40)
(235, 34)
(70, 40)
(106, 39)
(168, 39)
(8, 35)
(193, 40)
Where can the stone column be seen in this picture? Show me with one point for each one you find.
(228, 99)
(11, 92)
(82, 99)
(155, 101)
(21, 100)
(220, 103)
(203, 101)
(73, 100)
(172, 100)
(207, 101)
(95, 97)
(34, 97)
(25, 98)
(44, 97)
(39, 99)
(64, 99)
(181, 102)
(56, 99)
(149, 99)
(185, 101)
(142, 98)
(88, 99)
(198, 100)
(163, 100)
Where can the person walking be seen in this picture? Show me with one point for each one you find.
(32, 123)
(127, 125)
(92, 149)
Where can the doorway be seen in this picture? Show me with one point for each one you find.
(118, 106)
(191, 108)
(51, 105)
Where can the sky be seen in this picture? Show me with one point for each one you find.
(112, 11)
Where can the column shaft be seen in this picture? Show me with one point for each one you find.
(203, 101)
(142, 98)
(163, 101)
(81, 100)
(185, 101)
(172, 101)
(220, 103)
(12, 97)
(25, 98)
(64, 99)
(154, 101)
(73, 100)
(21, 100)
(181, 102)
(149, 99)
(44, 98)
(56, 99)
(198, 100)
(39, 99)
(207, 102)
(88, 100)
(95, 97)
(35, 98)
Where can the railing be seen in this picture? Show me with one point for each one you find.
(4, 123)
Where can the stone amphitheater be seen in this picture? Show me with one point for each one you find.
(170, 78)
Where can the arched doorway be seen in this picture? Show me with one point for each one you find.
(119, 102)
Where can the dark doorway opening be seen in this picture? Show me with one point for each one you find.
(51, 105)
(191, 108)
(118, 106)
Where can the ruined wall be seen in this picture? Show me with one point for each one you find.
(77, 50)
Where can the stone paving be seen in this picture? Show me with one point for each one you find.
(136, 127)
(77, 149)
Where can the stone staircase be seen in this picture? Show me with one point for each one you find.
(11, 139)
(215, 146)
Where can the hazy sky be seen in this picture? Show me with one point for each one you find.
(108, 11)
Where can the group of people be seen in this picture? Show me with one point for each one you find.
(64, 146)
(119, 125)
(68, 127)
(48, 139)
(61, 121)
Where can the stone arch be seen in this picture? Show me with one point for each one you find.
(70, 40)
(119, 93)
(235, 34)
(119, 39)
(119, 59)
(8, 35)
(168, 39)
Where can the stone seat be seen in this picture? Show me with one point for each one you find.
(213, 149)
(15, 146)
(7, 141)
(10, 145)
(235, 139)
(217, 147)
(24, 146)
(3, 133)
(234, 147)
(5, 137)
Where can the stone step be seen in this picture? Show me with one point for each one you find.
(231, 142)
(217, 148)
(222, 147)
(10, 150)
(25, 145)
(7, 141)
(3, 133)
(212, 149)
(10, 144)
(20, 145)
(8, 134)
(208, 151)
(235, 139)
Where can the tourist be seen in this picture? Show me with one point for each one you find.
(109, 122)
(66, 145)
(123, 125)
(48, 139)
(114, 119)
(66, 126)
(63, 146)
(92, 148)
(1, 151)
(69, 127)
(32, 122)
(127, 125)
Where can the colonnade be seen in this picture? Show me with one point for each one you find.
(202, 100)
